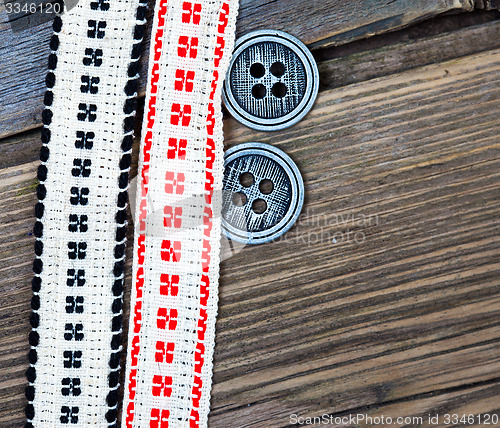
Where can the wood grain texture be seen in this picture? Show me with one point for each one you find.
(403, 56)
(398, 317)
(24, 52)
(487, 4)
(411, 162)
(349, 68)
(415, 411)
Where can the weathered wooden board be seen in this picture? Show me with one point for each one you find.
(478, 400)
(322, 22)
(400, 316)
(487, 4)
(398, 57)
(411, 161)
(334, 73)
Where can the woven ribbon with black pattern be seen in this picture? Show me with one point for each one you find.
(81, 214)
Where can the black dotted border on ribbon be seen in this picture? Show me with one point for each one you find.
(38, 228)
(129, 109)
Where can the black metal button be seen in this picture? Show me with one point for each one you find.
(263, 193)
(272, 81)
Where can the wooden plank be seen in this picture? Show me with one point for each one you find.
(479, 401)
(337, 22)
(23, 52)
(20, 149)
(488, 4)
(411, 161)
(334, 73)
(403, 172)
(403, 56)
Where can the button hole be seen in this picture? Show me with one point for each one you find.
(257, 70)
(277, 69)
(259, 206)
(279, 90)
(259, 91)
(266, 186)
(239, 199)
(246, 179)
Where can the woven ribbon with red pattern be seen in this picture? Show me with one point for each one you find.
(177, 221)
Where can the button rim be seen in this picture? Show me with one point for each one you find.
(310, 96)
(292, 170)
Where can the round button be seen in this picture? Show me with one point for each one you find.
(272, 81)
(263, 193)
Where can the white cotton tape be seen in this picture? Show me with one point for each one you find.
(81, 218)
(177, 222)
